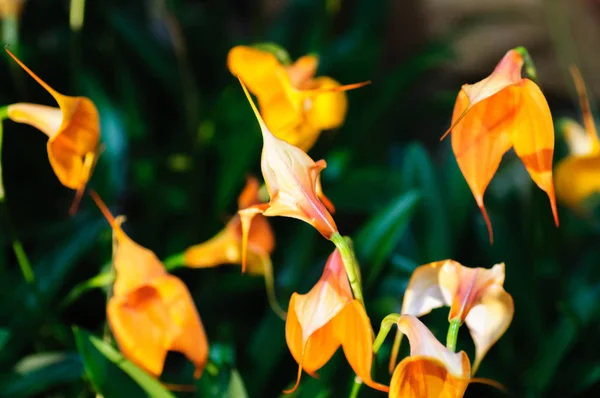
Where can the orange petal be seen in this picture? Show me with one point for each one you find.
(246, 216)
(249, 195)
(533, 138)
(78, 134)
(468, 286)
(291, 178)
(328, 203)
(302, 71)
(578, 140)
(424, 377)
(488, 320)
(11, 8)
(257, 69)
(481, 139)
(326, 110)
(353, 330)
(424, 292)
(165, 312)
(191, 338)
(506, 73)
(223, 248)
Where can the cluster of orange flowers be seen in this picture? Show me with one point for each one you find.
(152, 312)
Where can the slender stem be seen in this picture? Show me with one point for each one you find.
(528, 62)
(350, 264)
(76, 14)
(453, 334)
(22, 260)
(355, 387)
(384, 330)
(174, 261)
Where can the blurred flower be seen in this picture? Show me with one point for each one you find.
(293, 182)
(476, 296)
(502, 111)
(431, 370)
(226, 246)
(11, 8)
(151, 312)
(326, 318)
(578, 175)
(295, 105)
(73, 130)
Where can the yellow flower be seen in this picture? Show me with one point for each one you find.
(578, 175)
(295, 105)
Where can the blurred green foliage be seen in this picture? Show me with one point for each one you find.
(180, 138)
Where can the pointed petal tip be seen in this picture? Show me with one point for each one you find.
(487, 220)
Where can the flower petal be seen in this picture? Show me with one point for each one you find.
(302, 71)
(424, 292)
(588, 117)
(291, 177)
(578, 140)
(481, 139)
(223, 248)
(47, 119)
(424, 377)
(326, 110)
(424, 344)
(257, 69)
(469, 285)
(488, 320)
(353, 330)
(532, 135)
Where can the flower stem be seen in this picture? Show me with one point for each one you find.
(344, 245)
(453, 334)
(384, 330)
(76, 14)
(528, 62)
(22, 259)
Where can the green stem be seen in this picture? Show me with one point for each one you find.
(76, 15)
(22, 260)
(453, 334)
(350, 264)
(10, 30)
(174, 261)
(527, 62)
(384, 330)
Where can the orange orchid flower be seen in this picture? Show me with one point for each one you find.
(578, 175)
(295, 105)
(73, 131)
(326, 318)
(293, 182)
(431, 370)
(151, 312)
(476, 296)
(502, 111)
(226, 246)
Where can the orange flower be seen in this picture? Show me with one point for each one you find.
(73, 131)
(475, 296)
(293, 182)
(326, 318)
(502, 111)
(431, 370)
(226, 246)
(151, 312)
(578, 175)
(296, 106)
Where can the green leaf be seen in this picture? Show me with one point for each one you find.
(111, 374)
(40, 372)
(376, 241)
(432, 229)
